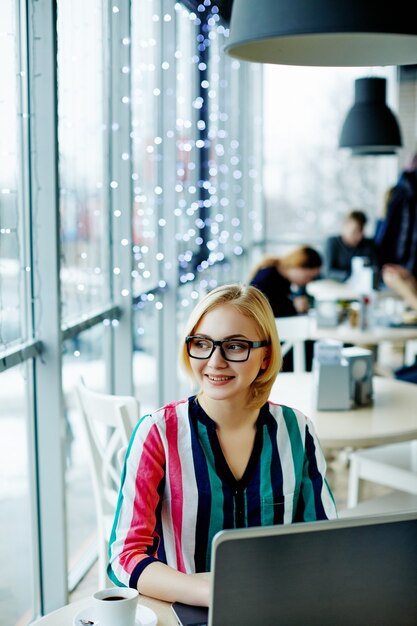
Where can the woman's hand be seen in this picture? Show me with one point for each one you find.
(398, 271)
(400, 280)
(165, 583)
(301, 304)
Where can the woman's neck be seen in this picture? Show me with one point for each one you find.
(229, 414)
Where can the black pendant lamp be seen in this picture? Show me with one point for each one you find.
(328, 33)
(370, 127)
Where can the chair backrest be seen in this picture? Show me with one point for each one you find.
(293, 331)
(108, 422)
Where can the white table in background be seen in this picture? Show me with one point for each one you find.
(391, 418)
(297, 329)
(371, 337)
(328, 289)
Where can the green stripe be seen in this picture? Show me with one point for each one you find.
(310, 513)
(300, 459)
(216, 490)
(110, 572)
(297, 448)
(266, 493)
(245, 504)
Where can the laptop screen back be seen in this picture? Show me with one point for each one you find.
(350, 571)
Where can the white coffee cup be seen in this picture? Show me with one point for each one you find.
(115, 606)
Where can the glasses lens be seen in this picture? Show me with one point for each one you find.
(236, 350)
(199, 348)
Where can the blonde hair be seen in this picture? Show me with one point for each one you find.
(252, 303)
(302, 257)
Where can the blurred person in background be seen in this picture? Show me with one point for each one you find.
(400, 280)
(340, 249)
(283, 279)
(396, 236)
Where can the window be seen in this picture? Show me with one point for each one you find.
(18, 542)
(18, 526)
(309, 182)
(83, 157)
(84, 355)
(14, 268)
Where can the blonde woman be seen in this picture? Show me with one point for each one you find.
(275, 276)
(223, 458)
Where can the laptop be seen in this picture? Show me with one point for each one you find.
(348, 571)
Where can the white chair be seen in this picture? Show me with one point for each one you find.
(393, 465)
(108, 423)
(293, 331)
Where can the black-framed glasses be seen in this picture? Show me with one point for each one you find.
(237, 350)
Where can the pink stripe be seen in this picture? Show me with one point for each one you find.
(142, 526)
(175, 480)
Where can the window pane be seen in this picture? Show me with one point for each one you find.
(12, 264)
(17, 533)
(309, 182)
(147, 156)
(147, 108)
(189, 211)
(82, 156)
(226, 166)
(146, 380)
(83, 356)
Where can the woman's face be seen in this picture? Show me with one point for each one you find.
(220, 379)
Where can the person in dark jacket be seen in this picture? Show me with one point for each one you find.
(350, 243)
(396, 236)
(400, 280)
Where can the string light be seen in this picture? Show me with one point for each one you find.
(204, 132)
(13, 274)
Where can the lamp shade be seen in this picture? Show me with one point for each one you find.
(370, 127)
(323, 32)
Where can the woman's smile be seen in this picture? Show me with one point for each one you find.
(218, 379)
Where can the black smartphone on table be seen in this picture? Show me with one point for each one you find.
(188, 615)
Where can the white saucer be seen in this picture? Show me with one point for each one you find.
(144, 616)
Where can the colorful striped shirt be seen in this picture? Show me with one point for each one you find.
(177, 490)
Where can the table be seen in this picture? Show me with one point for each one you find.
(391, 418)
(369, 337)
(297, 329)
(328, 289)
(388, 306)
(65, 615)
